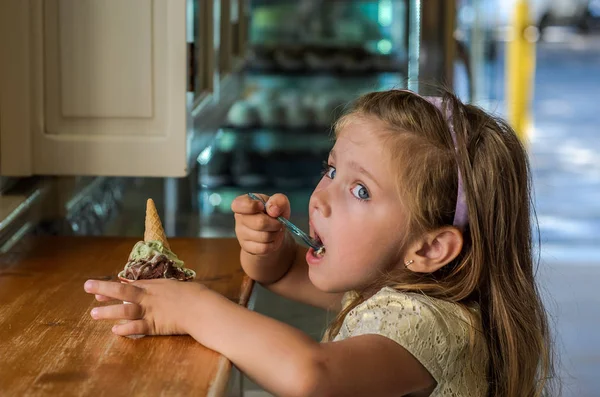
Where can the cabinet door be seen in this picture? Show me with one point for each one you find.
(109, 87)
(15, 89)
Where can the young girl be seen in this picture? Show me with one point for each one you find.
(424, 213)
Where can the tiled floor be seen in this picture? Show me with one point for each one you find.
(574, 302)
(565, 149)
(565, 144)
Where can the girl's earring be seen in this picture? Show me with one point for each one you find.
(408, 263)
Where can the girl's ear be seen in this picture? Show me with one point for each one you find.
(434, 250)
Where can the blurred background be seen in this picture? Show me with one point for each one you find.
(194, 102)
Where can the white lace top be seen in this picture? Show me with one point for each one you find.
(435, 332)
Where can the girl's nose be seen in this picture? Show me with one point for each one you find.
(320, 201)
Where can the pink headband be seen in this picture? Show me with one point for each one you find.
(461, 215)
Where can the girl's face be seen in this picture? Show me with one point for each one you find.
(355, 211)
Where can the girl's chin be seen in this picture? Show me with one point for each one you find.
(317, 280)
(325, 284)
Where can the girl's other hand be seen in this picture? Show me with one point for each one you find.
(158, 307)
(257, 232)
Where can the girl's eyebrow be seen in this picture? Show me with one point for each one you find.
(358, 168)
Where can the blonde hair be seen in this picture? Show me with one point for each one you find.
(495, 268)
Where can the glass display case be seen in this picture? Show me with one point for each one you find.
(333, 37)
(217, 32)
(304, 62)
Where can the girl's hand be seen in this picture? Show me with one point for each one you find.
(257, 232)
(158, 307)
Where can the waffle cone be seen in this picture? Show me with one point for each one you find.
(153, 227)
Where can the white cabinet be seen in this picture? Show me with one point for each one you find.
(93, 87)
(15, 88)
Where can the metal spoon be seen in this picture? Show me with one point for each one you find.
(291, 227)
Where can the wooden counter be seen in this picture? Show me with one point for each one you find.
(49, 344)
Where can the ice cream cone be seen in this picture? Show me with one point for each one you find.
(153, 226)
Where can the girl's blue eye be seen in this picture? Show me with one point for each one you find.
(329, 172)
(360, 192)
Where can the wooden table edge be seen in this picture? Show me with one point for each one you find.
(218, 386)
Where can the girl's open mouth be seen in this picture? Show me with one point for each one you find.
(321, 251)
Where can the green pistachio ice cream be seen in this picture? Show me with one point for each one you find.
(147, 249)
(151, 260)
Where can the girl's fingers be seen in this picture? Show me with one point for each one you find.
(246, 205)
(261, 237)
(102, 298)
(261, 222)
(123, 292)
(255, 248)
(136, 327)
(279, 205)
(115, 312)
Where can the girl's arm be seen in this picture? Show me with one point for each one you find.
(279, 357)
(287, 362)
(296, 285)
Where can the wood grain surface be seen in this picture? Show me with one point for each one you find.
(49, 344)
